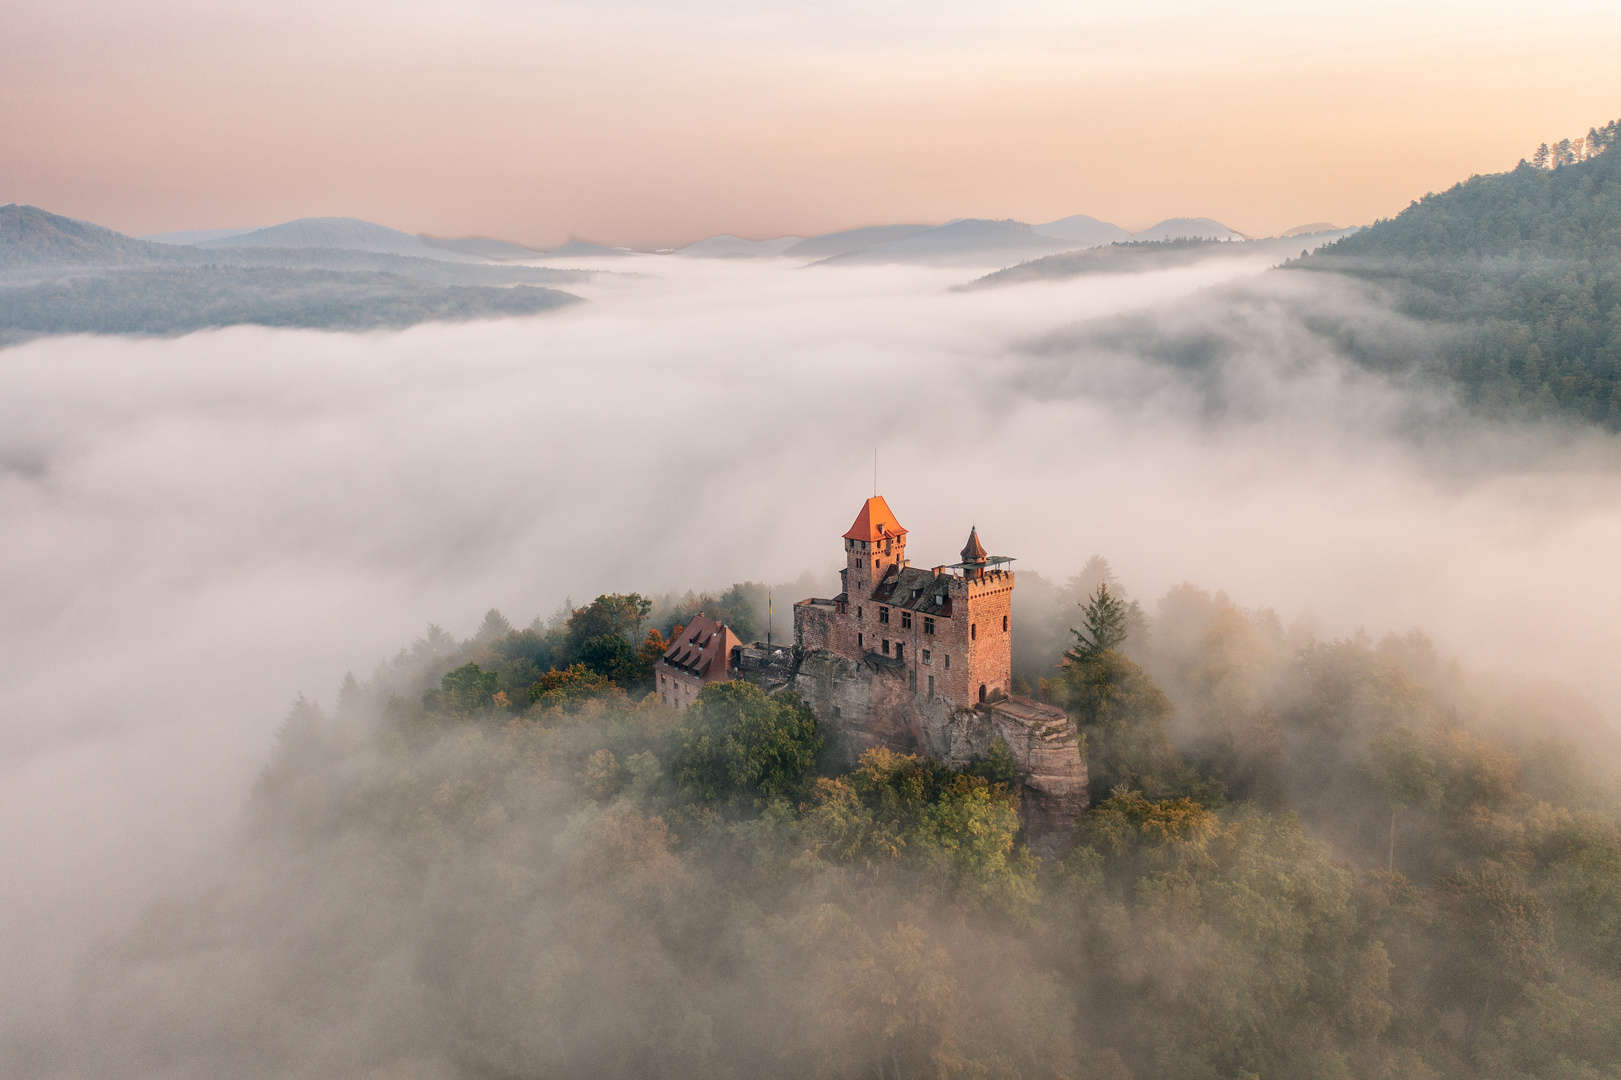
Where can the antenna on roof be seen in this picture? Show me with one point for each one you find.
(875, 472)
(768, 619)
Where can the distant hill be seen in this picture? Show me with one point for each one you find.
(970, 242)
(1314, 227)
(1200, 228)
(71, 276)
(581, 249)
(482, 246)
(197, 236)
(1136, 257)
(1082, 230)
(1520, 275)
(36, 244)
(851, 240)
(347, 234)
(733, 247)
(178, 300)
(35, 241)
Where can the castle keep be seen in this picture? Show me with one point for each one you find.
(921, 661)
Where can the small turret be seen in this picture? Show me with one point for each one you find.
(973, 554)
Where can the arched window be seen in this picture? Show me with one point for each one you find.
(982, 691)
(1004, 624)
(973, 631)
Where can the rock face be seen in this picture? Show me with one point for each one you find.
(865, 705)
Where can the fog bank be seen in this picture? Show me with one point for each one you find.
(193, 531)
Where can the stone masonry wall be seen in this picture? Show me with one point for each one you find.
(862, 706)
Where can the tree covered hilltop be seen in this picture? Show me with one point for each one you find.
(1521, 273)
(61, 276)
(503, 857)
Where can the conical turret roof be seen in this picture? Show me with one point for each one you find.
(974, 551)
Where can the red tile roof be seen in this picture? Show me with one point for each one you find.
(875, 522)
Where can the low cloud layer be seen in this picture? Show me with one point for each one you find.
(193, 531)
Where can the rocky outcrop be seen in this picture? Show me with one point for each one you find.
(863, 705)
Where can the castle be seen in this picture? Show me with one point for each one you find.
(921, 661)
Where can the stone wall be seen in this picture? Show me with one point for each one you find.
(861, 705)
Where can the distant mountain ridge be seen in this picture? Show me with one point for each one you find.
(1083, 230)
(37, 244)
(969, 242)
(727, 246)
(1199, 228)
(347, 234)
(69, 276)
(31, 237)
(1141, 256)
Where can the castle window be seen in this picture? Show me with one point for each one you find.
(858, 613)
(900, 651)
(925, 656)
(883, 614)
(858, 641)
(973, 631)
(948, 661)
(906, 620)
(931, 685)
(1004, 624)
(875, 564)
(982, 691)
(928, 625)
(886, 646)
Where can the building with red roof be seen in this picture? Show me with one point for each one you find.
(701, 653)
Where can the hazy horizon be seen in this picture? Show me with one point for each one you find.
(648, 126)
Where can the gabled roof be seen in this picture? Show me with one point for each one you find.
(875, 522)
(700, 643)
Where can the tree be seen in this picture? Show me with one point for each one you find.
(737, 741)
(1120, 713)
(1104, 625)
(495, 626)
(651, 649)
(1407, 774)
(1540, 158)
(569, 688)
(467, 689)
(610, 656)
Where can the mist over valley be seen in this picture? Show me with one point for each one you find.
(344, 567)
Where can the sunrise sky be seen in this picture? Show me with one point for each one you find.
(644, 123)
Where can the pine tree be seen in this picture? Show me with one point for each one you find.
(1104, 625)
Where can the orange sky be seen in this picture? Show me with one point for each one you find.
(635, 122)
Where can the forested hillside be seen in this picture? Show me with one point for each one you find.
(496, 858)
(179, 300)
(1521, 273)
(70, 276)
(1142, 256)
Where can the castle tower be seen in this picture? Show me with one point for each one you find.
(873, 546)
